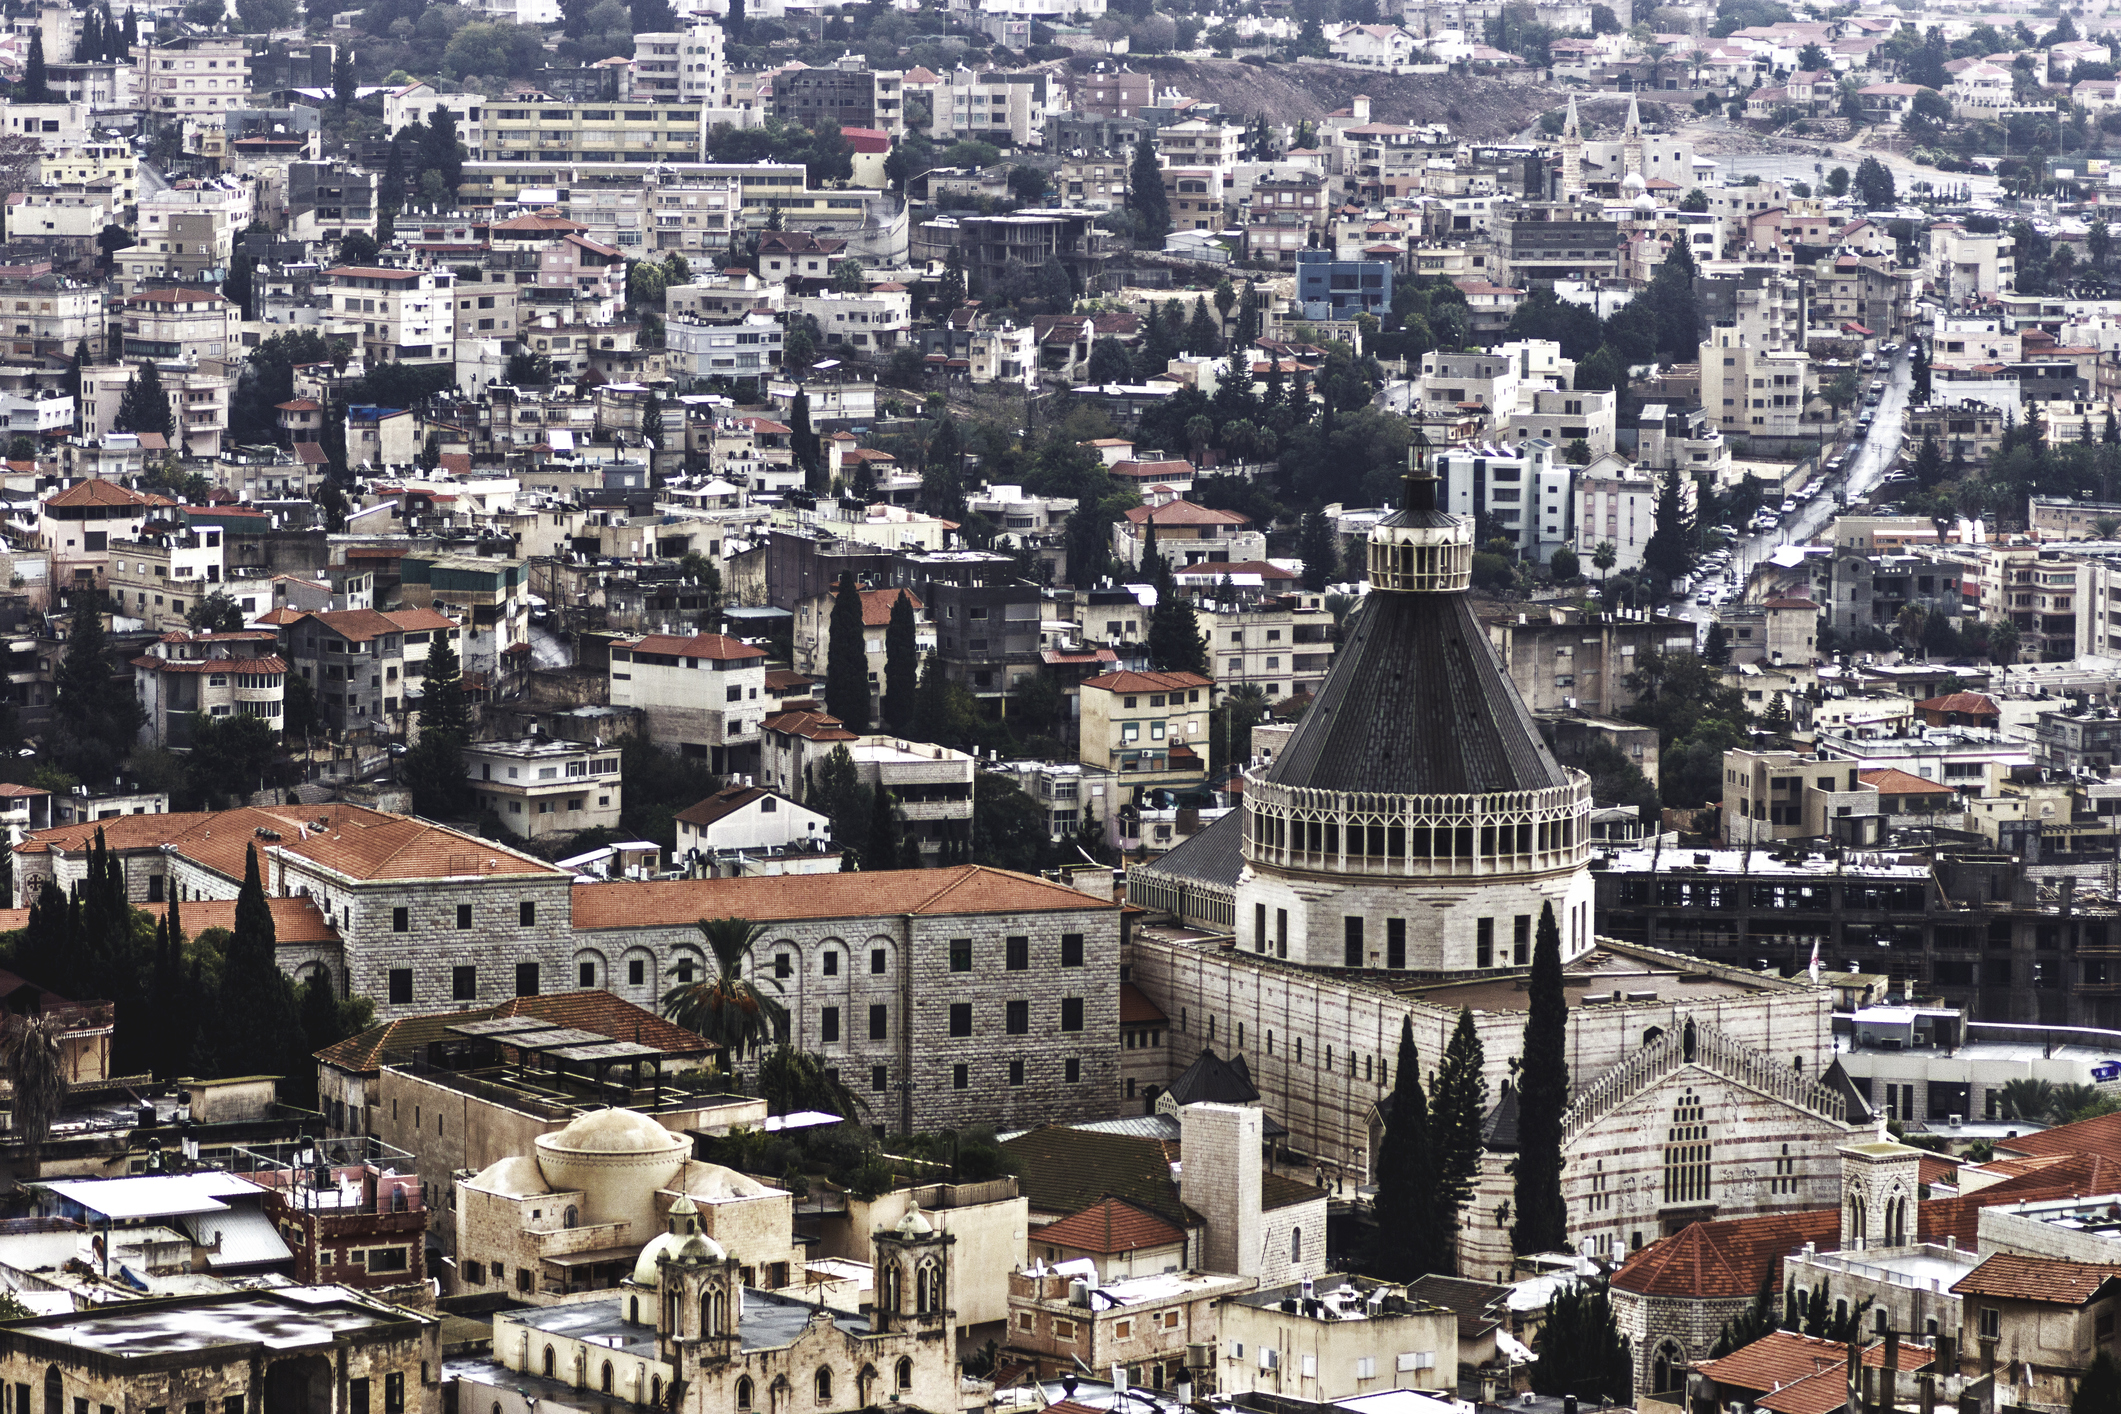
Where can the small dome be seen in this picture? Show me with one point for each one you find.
(614, 1131)
(1632, 183)
(713, 1182)
(516, 1176)
(914, 1224)
(1646, 205)
(679, 1247)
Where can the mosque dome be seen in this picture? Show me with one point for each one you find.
(612, 1131)
(516, 1176)
(1633, 184)
(714, 1182)
(617, 1159)
(1646, 205)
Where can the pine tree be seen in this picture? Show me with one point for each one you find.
(881, 850)
(1458, 1108)
(847, 659)
(1320, 549)
(1716, 648)
(1202, 335)
(342, 77)
(97, 721)
(1414, 1234)
(390, 191)
(1176, 644)
(256, 998)
(144, 406)
(434, 766)
(901, 667)
(1541, 1220)
(1669, 553)
(36, 83)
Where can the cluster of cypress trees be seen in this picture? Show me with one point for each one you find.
(1429, 1160)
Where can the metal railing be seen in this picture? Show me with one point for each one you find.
(1698, 1043)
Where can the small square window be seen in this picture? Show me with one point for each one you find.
(464, 915)
(463, 984)
(960, 1018)
(961, 954)
(526, 914)
(400, 986)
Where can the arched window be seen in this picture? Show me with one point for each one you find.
(606, 1380)
(1296, 1244)
(892, 1288)
(1856, 1227)
(905, 1374)
(655, 1389)
(633, 1310)
(1668, 1369)
(743, 1393)
(928, 1291)
(54, 1391)
(1686, 1153)
(548, 1362)
(573, 1218)
(824, 1385)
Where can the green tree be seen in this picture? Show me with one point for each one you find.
(1874, 184)
(1748, 1325)
(97, 720)
(1458, 1109)
(728, 1006)
(1565, 567)
(35, 1070)
(847, 658)
(1541, 1219)
(36, 81)
(2099, 1391)
(144, 406)
(1581, 1350)
(1716, 648)
(1319, 547)
(901, 667)
(1670, 552)
(342, 77)
(881, 850)
(1008, 827)
(793, 1081)
(1145, 196)
(255, 989)
(1837, 182)
(229, 757)
(434, 766)
(1415, 1233)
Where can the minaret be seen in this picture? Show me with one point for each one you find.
(1631, 141)
(1416, 815)
(1571, 153)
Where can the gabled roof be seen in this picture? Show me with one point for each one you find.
(718, 646)
(1213, 1080)
(1109, 1227)
(1970, 703)
(878, 603)
(1734, 1258)
(1063, 1170)
(726, 802)
(97, 492)
(1182, 512)
(811, 726)
(364, 625)
(1783, 1357)
(2048, 1280)
(1146, 682)
(1135, 1008)
(1473, 1302)
(1893, 781)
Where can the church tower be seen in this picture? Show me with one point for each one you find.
(698, 1296)
(1571, 153)
(913, 1276)
(1631, 142)
(1881, 1180)
(1415, 820)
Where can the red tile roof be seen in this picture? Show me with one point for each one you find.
(1783, 1357)
(963, 889)
(2045, 1279)
(878, 603)
(717, 646)
(1108, 1228)
(812, 726)
(364, 625)
(598, 1011)
(1892, 781)
(97, 492)
(1184, 512)
(1730, 1258)
(1973, 703)
(1146, 682)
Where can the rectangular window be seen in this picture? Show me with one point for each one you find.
(1484, 943)
(1071, 950)
(1351, 953)
(526, 914)
(1259, 927)
(1521, 940)
(400, 986)
(832, 964)
(1016, 1072)
(463, 915)
(400, 920)
(636, 972)
(961, 1018)
(357, 1397)
(1395, 942)
(961, 954)
(463, 984)
(1071, 1013)
(876, 962)
(1019, 1018)
(1072, 1070)
(390, 1259)
(828, 1025)
(960, 1077)
(879, 1078)
(526, 979)
(1016, 953)
(879, 1022)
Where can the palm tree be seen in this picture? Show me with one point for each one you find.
(2003, 642)
(2027, 1098)
(37, 1076)
(1605, 556)
(728, 1007)
(1912, 621)
(2068, 1101)
(791, 1080)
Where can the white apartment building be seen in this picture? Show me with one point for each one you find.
(1615, 505)
(1007, 353)
(1283, 643)
(198, 396)
(406, 316)
(695, 214)
(1752, 391)
(413, 103)
(540, 788)
(1200, 142)
(1523, 493)
(1563, 416)
(47, 316)
(180, 324)
(705, 695)
(878, 319)
(1004, 107)
(683, 66)
(160, 574)
(1039, 11)
(1965, 264)
(697, 352)
(193, 75)
(60, 127)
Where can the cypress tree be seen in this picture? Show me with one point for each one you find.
(254, 991)
(901, 667)
(144, 406)
(1145, 193)
(1458, 1107)
(434, 767)
(881, 849)
(36, 83)
(847, 659)
(95, 728)
(1541, 1222)
(1414, 1236)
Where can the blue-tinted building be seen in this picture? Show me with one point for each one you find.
(1341, 289)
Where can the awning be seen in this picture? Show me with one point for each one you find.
(1854, 328)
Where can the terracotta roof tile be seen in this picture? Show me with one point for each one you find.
(966, 888)
(878, 603)
(718, 646)
(1892, 781)
(596, 1010)
(2045, 1279)
(1784, 1357)
(1135, 1008)
(1109, 1227)
(363, 625)
(1719, 1259)
(1146, 682)
(1977, 703)
(97, 492)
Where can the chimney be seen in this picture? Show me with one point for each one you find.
(1219, 1178)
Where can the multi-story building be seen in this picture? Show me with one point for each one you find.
(845, 92)
(405, 316)
(540, 788)
(1781, 795)
(1331, 288)
(2035, 591)
(1752, 390)
(999, 106)
(1112, 92)
(47, 316)
(988, 244)
(192, 76)
(1563, 416)
(595, 132)
(163, 572)
(325, 200)
(1616, 505)
(1200, 142)
(415, 104)
(489, 597)
(748, 349)
(198, 396)
(1284, 215)
(1525, 497)
(77, 525)
(986, 619)
(704, 695)
(1567, 659)
(361, 663)
(813, 635)
(179, 324)
(1146, 729)
(1280, 643)
(876, 320)
(184, 677)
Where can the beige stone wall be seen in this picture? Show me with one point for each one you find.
(1320, 1359)
(991, 1238)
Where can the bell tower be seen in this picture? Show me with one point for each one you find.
(1881, 1179)
(698, 1297)
(1631, 141)
(913, 1276)
(1571, 153)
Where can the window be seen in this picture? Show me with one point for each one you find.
(1686, 1153)
(879, 1078)
(1072, 1070)
(1019, 1018)
(828, 1025)
(400, 920)
(879, 1022)
(526, 979)
(1016, 1072)
(876, 962)
(1016, 954)
(832, 964)
(587, 973)
(463, 916)
(961, 954)
(526, 914)
(636, 971)
(824, 1386)
(400, 986)
(1991, 1323)
(960, 1018)
(1395, 942)
(1071, 1013)
(1484, 942)
(1351, 943)
(960, 1077)
(1521, 942)
(1071, 950)
(783, 965)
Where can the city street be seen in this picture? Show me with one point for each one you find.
(1867, 465)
